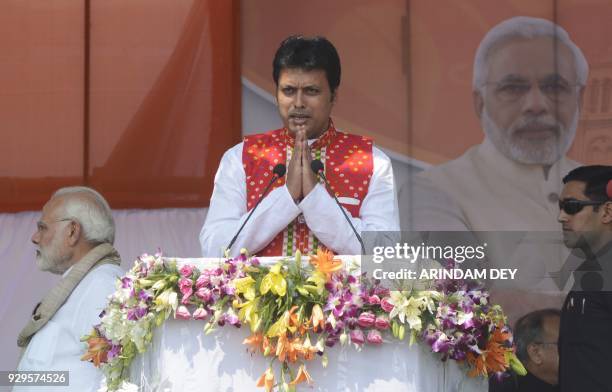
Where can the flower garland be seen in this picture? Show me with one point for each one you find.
(296, 311)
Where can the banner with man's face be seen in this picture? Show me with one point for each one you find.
(408, 67)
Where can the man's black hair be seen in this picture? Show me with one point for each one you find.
(530, 329)
(595, 177)
(298, 52)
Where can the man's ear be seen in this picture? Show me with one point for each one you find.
(74, 234)
(607, 213)
(334, 96)
(478, 101)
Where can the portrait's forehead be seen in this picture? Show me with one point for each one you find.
(531, 58)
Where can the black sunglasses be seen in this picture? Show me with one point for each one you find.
(573, 206)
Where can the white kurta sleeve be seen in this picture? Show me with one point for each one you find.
(378, 211)
(227, 211)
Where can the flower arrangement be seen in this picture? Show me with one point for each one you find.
(296, 312)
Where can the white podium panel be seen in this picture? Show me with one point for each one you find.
(183, 359)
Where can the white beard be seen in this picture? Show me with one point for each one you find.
(50, 259)
(544, 152)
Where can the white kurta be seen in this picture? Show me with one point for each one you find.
(57, 346)
(488, 194)
(227, 211)
(484, 190)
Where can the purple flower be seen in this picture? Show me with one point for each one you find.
(382, 323)
(144, 295)
(200, 314)
(126, 283)
(182, 313)
(440, 343)
(186, 270)
(204, 294)
(357, 336)
(137, 313)
(233, 319)
(381, 291)
(331, 340)
(185, 285)
(114, 351)
(386, 305)
(366, 320)
(203, 280)
(229, 290)
(374, 337)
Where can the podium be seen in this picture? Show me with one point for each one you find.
(182, 358)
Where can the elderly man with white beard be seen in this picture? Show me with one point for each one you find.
(74, 238)
(528, 82)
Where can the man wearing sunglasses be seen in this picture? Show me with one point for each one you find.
(585, 349)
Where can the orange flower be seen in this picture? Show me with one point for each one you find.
(307, 350)
(295, 348)
(478, 365)
(266, 380)
(267, 347)
(97, 350)
(288, 349)
(294, 321)
(302, 376)
(325, 263)
(282, 347)
(255, 341)
(304, 327)
(318, 320)
(493, 358)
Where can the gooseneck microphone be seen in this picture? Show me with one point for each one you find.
(317, 167)
(278, 172)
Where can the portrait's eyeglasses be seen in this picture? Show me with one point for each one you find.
(573, 206)
(555, 89)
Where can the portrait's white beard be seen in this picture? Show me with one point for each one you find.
(541, 151)
(50, 259)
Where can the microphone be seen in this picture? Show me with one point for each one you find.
(278, 172)
(317, 167)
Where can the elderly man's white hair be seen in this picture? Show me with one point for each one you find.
(91, 210)
(525, 27)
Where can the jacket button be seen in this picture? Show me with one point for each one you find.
(553, 197)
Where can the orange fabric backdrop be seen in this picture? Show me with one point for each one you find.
(163, 93)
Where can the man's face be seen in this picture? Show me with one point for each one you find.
(304, 101)
(550, 337)
(52, 253)
(584, 227)
(529, 105)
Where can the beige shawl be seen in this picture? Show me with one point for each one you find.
(101, 254)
